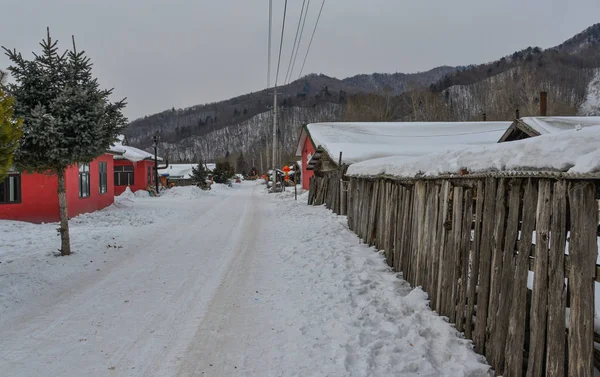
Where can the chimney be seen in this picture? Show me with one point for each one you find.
(517, 114)
(484, 117)
(543, 104)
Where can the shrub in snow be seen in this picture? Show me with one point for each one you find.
(199, 176)
(223, 172)
(67, 118)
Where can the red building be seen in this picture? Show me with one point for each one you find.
(134, 168)
(33, 197)
(305, 149)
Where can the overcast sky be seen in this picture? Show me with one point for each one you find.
(178, 53)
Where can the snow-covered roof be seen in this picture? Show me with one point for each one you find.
(364, 141)
(126, 152)
(182, 170)
(548, 125)
(573, 152)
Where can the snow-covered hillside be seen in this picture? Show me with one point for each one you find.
(591, 105)
(251, 137)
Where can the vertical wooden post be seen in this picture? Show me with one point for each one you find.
(517, 314)
(583, 252)
(485, 261)
(555, 350)
(475, 261)
(539, 301)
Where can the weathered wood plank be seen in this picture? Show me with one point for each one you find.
(407, 227)
(539, 301)
(434, 247)
(516, 326)
(507, 273)
(464, 252)
(475, 261)
(485, 261)
(457, 215)
(496, 270)
(442, 242)
(583, 252)
(448, 257)
(373, 213)
(555, 349)
(399, 236)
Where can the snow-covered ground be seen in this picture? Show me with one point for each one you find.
(231, 282)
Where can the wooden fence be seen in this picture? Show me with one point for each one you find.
(470, 243)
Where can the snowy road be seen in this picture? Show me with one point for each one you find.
(238, 283)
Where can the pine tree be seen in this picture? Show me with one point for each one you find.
(67, 118)
(223, 172)
(10, 131)
(199, 175)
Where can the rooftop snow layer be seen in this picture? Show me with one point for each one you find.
(548, 125)
(364, 141)
(574, 151)
(126, 152)
(182, 170)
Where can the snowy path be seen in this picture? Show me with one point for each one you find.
(236, 284)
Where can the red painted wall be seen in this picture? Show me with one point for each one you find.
(96, 200)
(39, 197)
(39, 200)
(306, 174)
(140, 175)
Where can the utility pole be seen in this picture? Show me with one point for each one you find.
(274, 175)
(156, 162)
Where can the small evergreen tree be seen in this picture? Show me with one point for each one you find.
(10, 131)
(199, 175)
(67, 118)
(223, 172)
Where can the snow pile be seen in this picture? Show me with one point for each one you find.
(591, 105)
(573, 151)
(126, 196)
(141, 194)
(359, 317)
(363, 141)
(184, 192)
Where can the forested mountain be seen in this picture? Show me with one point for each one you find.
(243, 125)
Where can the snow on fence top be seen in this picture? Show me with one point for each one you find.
(573, 152)
(548, 125)
(364, 141)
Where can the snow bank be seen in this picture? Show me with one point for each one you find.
(184, 192)
(363, 141)
(360, 317)
(574, 151)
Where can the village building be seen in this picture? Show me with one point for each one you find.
(324, 146)
(90, 186)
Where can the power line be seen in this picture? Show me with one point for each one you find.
(299, 40)
(295, 40)
(269, 53)
(281, 42)
(311, 38)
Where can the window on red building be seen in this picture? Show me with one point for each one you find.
(149, 175)
(84, 180)
(10, 189)
(124, 175)
(103, 177)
